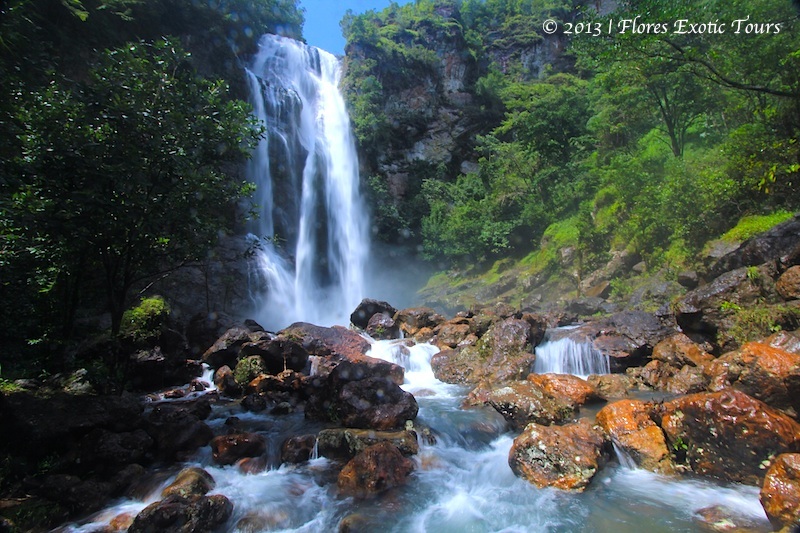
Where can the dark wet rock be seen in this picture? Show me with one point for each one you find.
(382, 326)
(563, 457)
(226, 382)
(375, 403)
(204, 329)
(766, 373)
(585, 307)
(779, 243)
(628, 424)
(523, 402)
(627, 338)
(368, 308)
(252, 465)
(611, 386)
(278, 352)
(565, 388)
(298, 449)
(264, 520)
(191, 481)
(253, 326)
(708, 311)
(415, 319)
(104, 449)
(286, 387)
(178, 428)
(254, 402)
(780, 494)
(688, 279)
(321, 341)
(788, 284)
(348, 442)
(724, 520)
(378, 468)
(248, 368)
(227, 449)
(225, 351)
(727, 434)
(457, 366)
(174, 513)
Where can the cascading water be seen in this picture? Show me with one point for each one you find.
(565, 356)
(311, 239)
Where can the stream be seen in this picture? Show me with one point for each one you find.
(462, 482)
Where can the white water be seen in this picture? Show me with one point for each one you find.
(312, 239)
(462, 482)
(565, 356)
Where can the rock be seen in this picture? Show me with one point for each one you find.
(611, 386)
(414, 319)
(727, 434)
(523, 402)
(722, 519)
(368, 308)
(189, 482)
(456, 366)
(706, 311)
(248, 368)
(601, 290)
(254, 402)
(769, 374)
(227, 449)
(564, 457)
(627, 338)
(788, 285)
(565, 388)
(348, 442)
(104, 449)
(287, 386)
(585, 307)
(687, 380)
(688, 279)
(780, 242)
(298, 449)
(225, 351)
(204, 329)
(451, 335)
(785, 340)
(780, 494)
(278, 353)
(382, 326)
(629, 426)
(226, 382)
(679, 350)
(177, 429)
(375, 403)
(175, 513)
(252, 465)
(378, 468)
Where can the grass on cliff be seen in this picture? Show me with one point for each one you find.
(753, 225)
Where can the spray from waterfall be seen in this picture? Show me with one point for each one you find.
(565, 356)
(311, 241)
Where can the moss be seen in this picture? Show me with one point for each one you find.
(759, 321)
(248, 369)
(146, 319)
(753, 225)
(561, 234)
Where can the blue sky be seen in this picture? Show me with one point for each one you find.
(322, 20)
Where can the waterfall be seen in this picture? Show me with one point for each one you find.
(311, 240)
(565, 356)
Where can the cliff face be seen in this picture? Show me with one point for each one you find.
(422, 86)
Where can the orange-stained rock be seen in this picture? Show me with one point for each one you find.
(788, 285)
(629, 426)
(780, 494)
(378, 468)
(611, 386)
(450, 335)
(191, 481)
(566, 388)
(728, 434)
(679, 350)
(564, 457)
(522, 402)
(415, 319)
(227, 449)
(764, 372)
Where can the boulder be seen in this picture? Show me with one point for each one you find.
(254, 402)
(368, 308)
(278, 353)
(204, 329)
(378, 468)
(414, 319)
(177, 428)
(788, 341)
(175, 513)
(452, 334)
(727, 434)
(288, 386)
(226, 382)
(611, 386)
(769, 374)
(375, 403)
(227, 449)
(225, 351)
(248, 368)
(629, 426)
(780, 494)
(459, 366)
(190, 482)
(565, 388)
(346, 443)
(564, 457)
(679, 350)
(298, 449)
(382, 327)
(523, 402)
(104, 449)
(779, 243)
(788, 284)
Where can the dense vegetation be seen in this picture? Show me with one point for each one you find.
(654, 143)
(120, 151)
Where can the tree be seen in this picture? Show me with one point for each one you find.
(122, 176)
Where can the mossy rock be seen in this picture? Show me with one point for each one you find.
(248, 369)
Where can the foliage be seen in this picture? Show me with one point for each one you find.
(146, 319)
(122, 175)
(761, 320)
(752, 225)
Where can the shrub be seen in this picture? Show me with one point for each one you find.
(146, 319)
